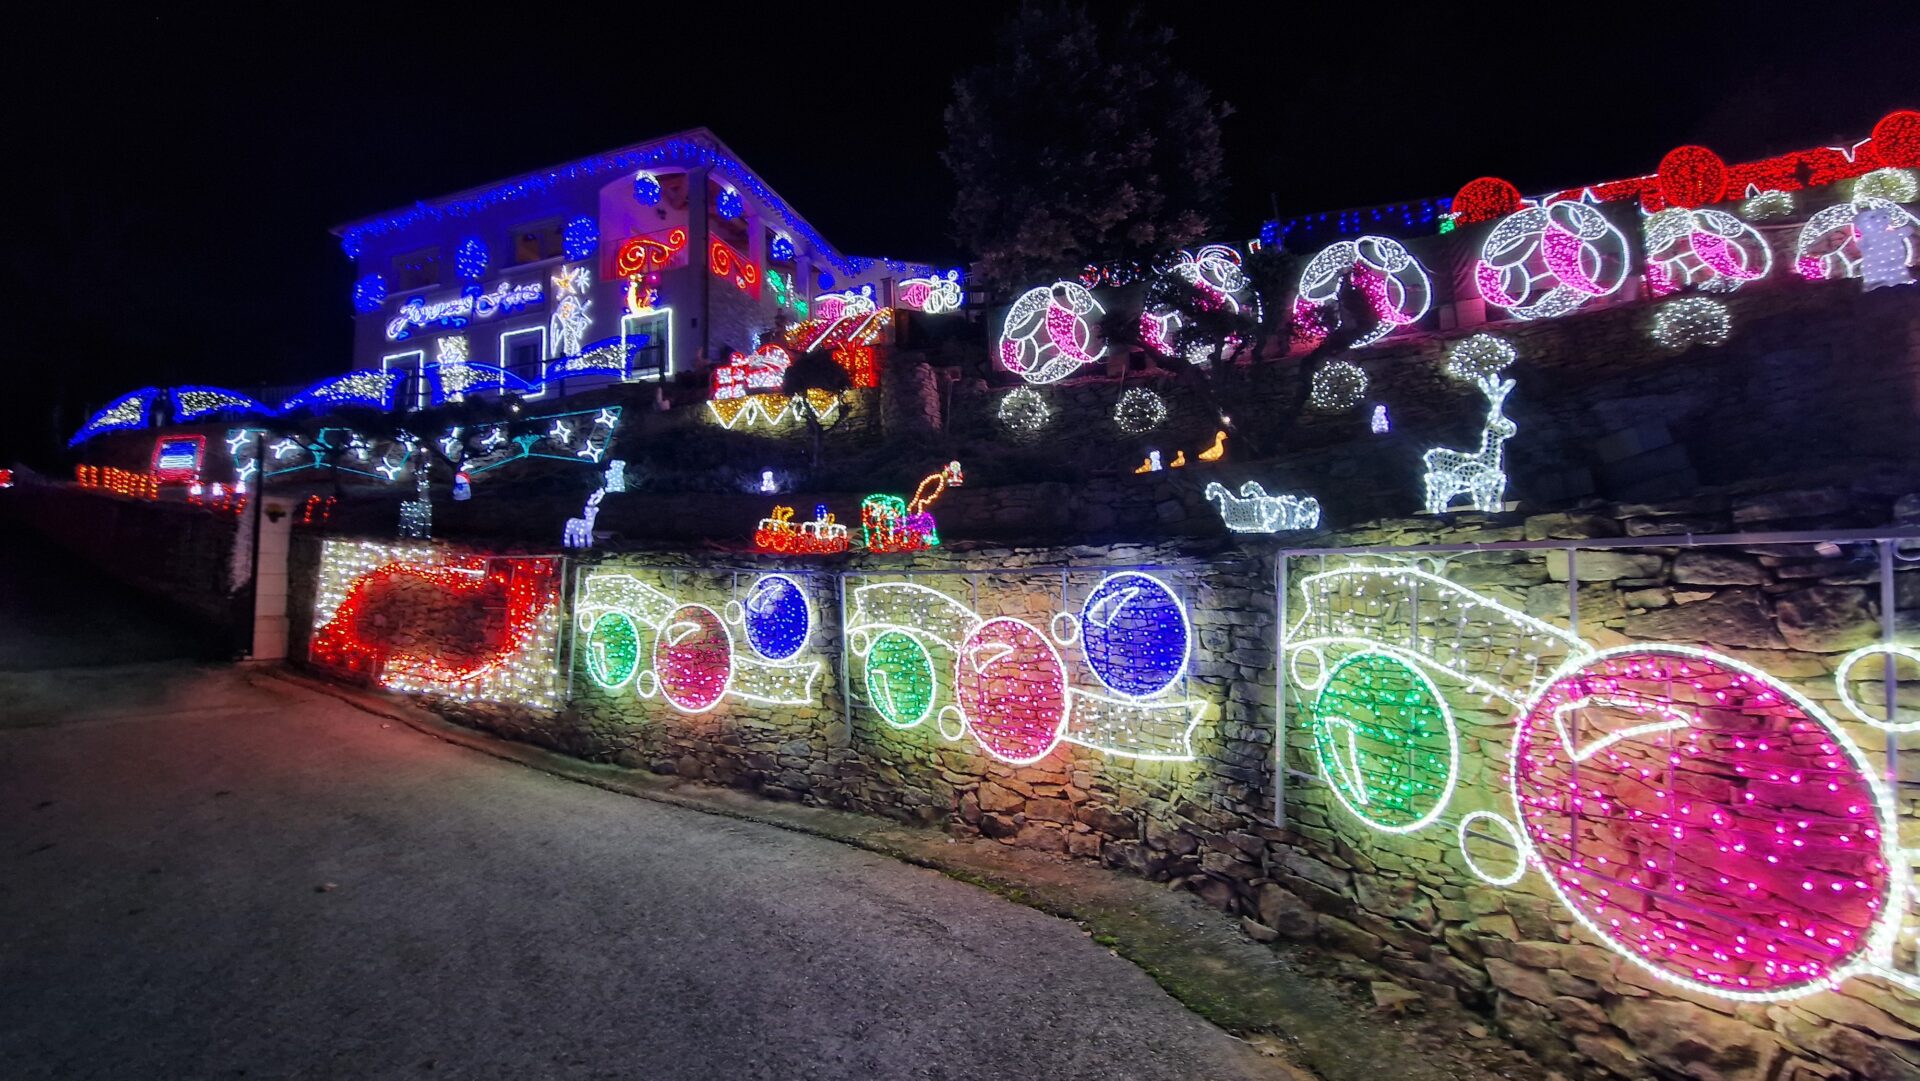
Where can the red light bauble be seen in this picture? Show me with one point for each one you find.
(1484, 199)
(1896, 139)
(1692, 176)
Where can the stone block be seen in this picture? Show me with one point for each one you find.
(1737, 617)
(1827, 619)
(1706, 567)
(1530, 984)
(1695, 1042)
(1603, 565)
(1285, 912)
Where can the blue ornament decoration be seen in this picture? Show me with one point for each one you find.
(369, 293)
(1135, 634)
(825, 279)
(729, 204)
(581, 239)
(777, 618)
(646, 189)
(781, 249)
(470, 260)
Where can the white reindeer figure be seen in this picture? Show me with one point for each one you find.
(1479, 474)
(579, 533)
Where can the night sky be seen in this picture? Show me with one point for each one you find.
(181, 176)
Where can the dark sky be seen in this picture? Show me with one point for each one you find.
(181, 174)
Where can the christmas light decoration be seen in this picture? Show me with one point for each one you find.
(1886, 238)
(616, 476)
(848, 325)
(1386, 742)
(934, 294)
(891, 524)
(369, 293)
(818, 537)
(1395, 284)
(1023, 411)
(1893, 185)
(774, 409)
(517, 668)
(1010, 691)
(1218, 449)
(1765, 205)
(724, 262)
(1830, 242)
(1544, 262)
(612, 650)
(1214, 275)
(1689, 321)
(1151, 464)
(130, 410)
(1692, 176)
(646, 189)
(579, 531)
(786, 294)
(194, 403)
(1708, 249)
(1482, 356)
(121, 482)
(1254, 511)
(317, 510)
(1479, 474)
(580, 239)
(502, 299)
(1380, 425)
(1338, 385)
(572, 310)
(1048, 332)
(372, 387)
(176, 459)
(1139, 411)
(777, 617)
(728, 204)
(416, 514)
(470, 259)
(650, 253)
(1484, 199)
(1843, 682)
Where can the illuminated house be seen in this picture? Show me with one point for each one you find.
(635, 264)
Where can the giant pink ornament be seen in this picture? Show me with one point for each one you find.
(693, 658)
(1011, 688)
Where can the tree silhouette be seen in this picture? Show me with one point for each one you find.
(816, 370)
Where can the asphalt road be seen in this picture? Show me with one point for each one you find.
(204, 875)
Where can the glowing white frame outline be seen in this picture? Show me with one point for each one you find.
(1852, 704)
(626, 332)
(419, 375)
(1875, 956)
(505, 356)
(806, 608)
(1522, 851)
(1186, 631)
(591, 666)
(1446, 718)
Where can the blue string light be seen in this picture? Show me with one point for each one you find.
(369, 293)
(192, 403)
(670, 153)
(646, 189)
(470, 261)
(781, 249)
(127, 411)
(1135, 634)
(777, 618)
(582, 238)
(729, 204)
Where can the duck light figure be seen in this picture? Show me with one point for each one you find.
(891, 524)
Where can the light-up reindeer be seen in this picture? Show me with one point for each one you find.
(1479, 474)
(579, 531)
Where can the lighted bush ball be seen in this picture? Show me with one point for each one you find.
(900, 681)
(693, 658)
(1012, 689)
(1710, 824)
(1385, 742)
(1135, 635)
(613, 650)
(777, 617)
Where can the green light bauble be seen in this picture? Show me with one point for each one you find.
(613, 650)
(900, 681)
(1386, 742)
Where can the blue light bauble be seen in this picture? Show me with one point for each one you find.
(729, 204)
(581, 238)
(781, 249)
(777, 618)
(1135, 634)
(470, 259)
(369, 293)
(646, 189)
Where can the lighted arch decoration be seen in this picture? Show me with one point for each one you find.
(1547, 261)
(1705, 249)
(1725, 835)
(193, 403)
(1829, 244)
(1396, 286)
(131, 410)
(1008, 680)
(1049, 331)
(686, 653)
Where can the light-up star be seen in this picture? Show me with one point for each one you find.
(607, 417)
(561, 432)
(285, 447)
(238, 438)
(493, 438)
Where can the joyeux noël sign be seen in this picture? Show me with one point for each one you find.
(458, 311)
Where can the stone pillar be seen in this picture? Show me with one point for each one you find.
(275, 523)
(698, 330)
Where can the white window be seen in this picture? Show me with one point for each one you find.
(650, 335)
(412, 392)
(523, 352)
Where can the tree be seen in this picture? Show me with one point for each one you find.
(1081, 142)
(816, 370)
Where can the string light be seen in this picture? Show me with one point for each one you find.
(1484, 199)
(1395, 284)
(580, 239)
(646, 189)
(724, 262)
(822, 536)
(848, 325)
(1254, 511)
(1829, 243)
(369, 293)
(373, 387)
(1692, 176)
(1386, 742)
(130, 410)
(571, 312)
(1710, 249)
(1379, 424)
(121, 482)
(1048, 331)
(1338, 385)
(1479, 474)
(1691, 321)
(1842, 682)
(891, 524)
(1893, 185)
(1139, 411)
(728, 204)
(1023, 411)
(933, 294)
(1544, 262)
(470, 259)
(651, 253)
(1886, 246)
(1766, 205)
(781, 249)
(777, 617)
(578, 532)
(899, 679)
(194, 403)
(1481, 356)
(1136, 634)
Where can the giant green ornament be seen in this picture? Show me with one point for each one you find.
(613, 650)
(900, 681)
(1385, 741)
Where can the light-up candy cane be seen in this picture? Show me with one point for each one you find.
(1395, 284)
(1712, 825)
(1547, 261)
(688, 648)
(1048, 332)
(1710, 249)
(1009, 681)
